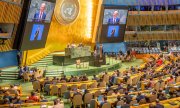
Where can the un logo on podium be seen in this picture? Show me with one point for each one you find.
(67, 11)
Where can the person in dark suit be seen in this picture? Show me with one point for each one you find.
(36, 35)
(158, 105)
(114, 19)
(105, 101)
(113, 32)
(127, 97)
(77, 92)
(40, 16)
(139, 97)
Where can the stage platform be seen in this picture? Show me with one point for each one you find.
(54, 70)
(111, 64)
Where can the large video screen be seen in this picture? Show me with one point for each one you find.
(113, 23)
(38, 22)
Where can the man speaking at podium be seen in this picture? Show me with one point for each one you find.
(114, 19)
(40, 15)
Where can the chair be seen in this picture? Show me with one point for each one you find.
(54, 90)
(142, 101)
(77, 101)
(12, 91)
(133, 102)
(178, 79)
(110, 93)
(63, 81)
(135, 81)
(121, 91)
(106, 105)
(83, 86)
(93, 85)
(36, 85)
(63, 89)
(106, 78)
(54, 81)
(93, 104)
(162, 85)
(73, 87)
(87, 98)
(26, 77)
(120, 103)
(153, 98)
(102, 84)
(157, 86)
(97, 93)
(78, 63)
(67, 95)
(129, 81)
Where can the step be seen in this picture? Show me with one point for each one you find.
(49, 58)
(8, 78)
(9, 72)
(53, 75)
(9, 75)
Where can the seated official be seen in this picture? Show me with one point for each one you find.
(139, 97)
(42, 99)
(33, 97)
(103, 102)
(161, 95)
(77, 92)
(126, 105)
(7, 96)
(151, 106)
(158, 105)
(64, 78)
(1, 90)
(127, 97)
(58, 104)
(85, 78)
(118, 99)
(71, 79)
(12, 88)
(17, 101)
(6, 101)
(120, 86)
(95, 78)
(85, 92)
(171, 80)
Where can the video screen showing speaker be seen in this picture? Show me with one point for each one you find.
(37, 25)
(113, 26)
(40, 11)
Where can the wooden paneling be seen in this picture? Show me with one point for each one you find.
(9, 13)
(154, 18)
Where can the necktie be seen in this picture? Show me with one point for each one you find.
(114, 20)
(40, 16)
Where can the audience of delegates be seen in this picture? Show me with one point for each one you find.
(149, 77)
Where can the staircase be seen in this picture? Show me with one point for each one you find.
(8, 74)
(45, 63)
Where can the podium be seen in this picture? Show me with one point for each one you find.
(97, 61)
